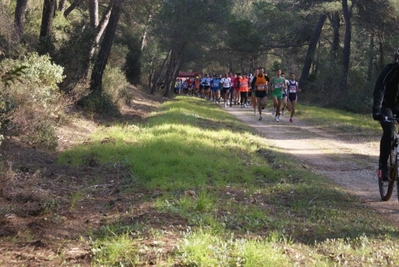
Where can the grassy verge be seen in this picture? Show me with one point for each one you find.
(213, 194)
(338, 121)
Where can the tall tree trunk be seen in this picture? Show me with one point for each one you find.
(347, 12)
(151, 72)
(254, 62)
(72, 7)
(174, 66)
(144, 34)
(169, 71)
(381, 41)
(241, 65)
(371, 57)
(311, 50)
(336, 25)
(179, 64)
(93, 10)
(47, 18)
(100, 31)
(62, 5)
(103, 54)
(19, 18)
(161, 73)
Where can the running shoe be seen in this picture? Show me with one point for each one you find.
(277, 118)
(291, 120)
(282, 113)
(260, 117)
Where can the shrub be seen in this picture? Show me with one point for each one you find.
(132, 57)
(44, 134)
(39, 81)
(359, 97)
(114, 94)
(323, 89)
(115, 84)
(99, 103)
(7, 78)
(29, 104)
(74, 55)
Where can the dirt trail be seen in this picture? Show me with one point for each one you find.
(349, 163)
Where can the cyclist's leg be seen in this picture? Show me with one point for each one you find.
(386, 139)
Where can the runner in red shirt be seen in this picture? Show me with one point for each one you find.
(243, 89)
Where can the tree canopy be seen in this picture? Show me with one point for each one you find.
(337, 47)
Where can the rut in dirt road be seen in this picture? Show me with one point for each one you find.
(351, 163)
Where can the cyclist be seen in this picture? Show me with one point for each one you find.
(386, 104)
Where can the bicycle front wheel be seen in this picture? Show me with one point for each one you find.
(386, 187)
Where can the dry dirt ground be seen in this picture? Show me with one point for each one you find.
(40, 224)
(348, 159)
(33, 186)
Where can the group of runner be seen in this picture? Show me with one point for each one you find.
(248, 90)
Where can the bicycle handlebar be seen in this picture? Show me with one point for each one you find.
(386, 119)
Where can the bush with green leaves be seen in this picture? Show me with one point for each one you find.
(40, 78)
(74, 56)
(115, 84)
(97, 102)
(29, 96)
(7, 77)
(114, 93)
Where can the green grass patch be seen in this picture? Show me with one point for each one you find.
(115, 251)
(207, 249)
(338, 120)
(172, 154)
(226, 197)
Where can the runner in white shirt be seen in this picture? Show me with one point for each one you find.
(226, 85)
(285, 96)
(293, 90)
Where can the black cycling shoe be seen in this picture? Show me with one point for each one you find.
(383, 174)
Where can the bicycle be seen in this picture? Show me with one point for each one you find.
(386, 187)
